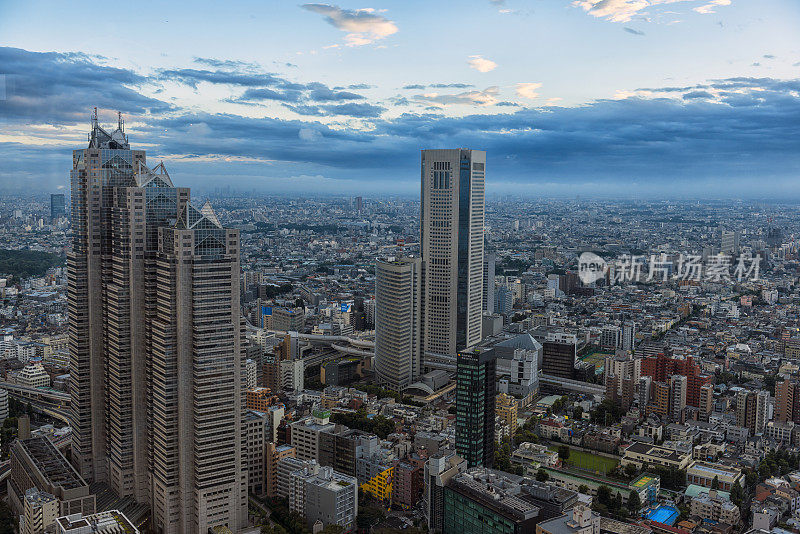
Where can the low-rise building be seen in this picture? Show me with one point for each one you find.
(40, 512)
(321, 494)
(581, 520)
(36, 463)
(646, 454)
(710, 507)
(535, 455)
(108, 522)
(305, 434)
(506, 410)
(704, 473)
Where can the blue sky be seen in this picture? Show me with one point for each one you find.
(617, 97)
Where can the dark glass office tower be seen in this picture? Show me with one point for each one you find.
(475, 406)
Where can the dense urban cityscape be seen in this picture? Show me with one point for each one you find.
(486, 267)
(439, 364)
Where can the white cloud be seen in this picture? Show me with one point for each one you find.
(709, 7)
(613, 10)
(623, 94)
(528, 90)
(487, 97)
(364, 26)
(481, 64)
(625, 10)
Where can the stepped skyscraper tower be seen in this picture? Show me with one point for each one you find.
(155, 341)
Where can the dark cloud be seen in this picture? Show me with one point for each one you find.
(322, 93)
(633, 31)
(650, 139)
(451, 85)
(357, 110)
(246, 78)
(259, 94)
(264, 86)
(508, 104)
(61, 87)
(439, 86)
(697, 94)
(744, 128)
(229, 64)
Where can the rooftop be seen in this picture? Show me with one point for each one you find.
(109, 522)
(52, 463)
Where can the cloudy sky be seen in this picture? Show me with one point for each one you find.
(615, 97)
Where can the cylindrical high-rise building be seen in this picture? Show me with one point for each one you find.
(397, 322)
(451, 226)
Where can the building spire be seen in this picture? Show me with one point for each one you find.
(120, 122)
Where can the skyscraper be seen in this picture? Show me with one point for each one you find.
(489, 264)
(398, 321)
(199, 468)
(155, 329)
(451, 223)
(57, 206)
(475, 406)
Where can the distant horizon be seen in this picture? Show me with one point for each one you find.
(686, 98)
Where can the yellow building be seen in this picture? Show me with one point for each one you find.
(506, 410)
(380, 486)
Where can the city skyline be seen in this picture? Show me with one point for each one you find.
(339, 98)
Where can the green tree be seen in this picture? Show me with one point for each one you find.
(604, 495)
(563, 452)
(6, 519)
(542, 475)
(583, 488)
(634, 502)
(737, 494)
(577, 412)
(631, 470)
(715, 483)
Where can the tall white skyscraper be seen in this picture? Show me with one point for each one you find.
(451, 222)
(398, 321)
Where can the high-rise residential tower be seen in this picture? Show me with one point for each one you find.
(155, 341)
(398, 321)
(451, 223)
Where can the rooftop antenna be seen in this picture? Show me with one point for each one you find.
(94, 117)
(120, 122)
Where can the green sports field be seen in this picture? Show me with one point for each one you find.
(588, 461)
